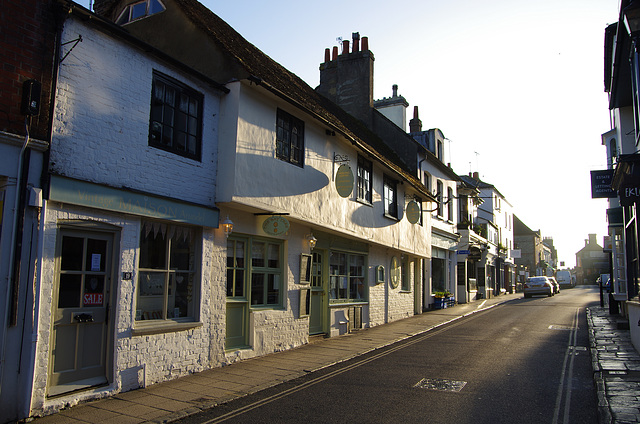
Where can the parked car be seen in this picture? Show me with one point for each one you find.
(556, 285)
(564, 279)
(538, 286)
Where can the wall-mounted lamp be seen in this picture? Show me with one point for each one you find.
(227, 226)
(311, 240)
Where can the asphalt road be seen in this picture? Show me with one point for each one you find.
(526, 361)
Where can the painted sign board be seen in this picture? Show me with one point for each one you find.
(344, 180)
(413, 212)
(275, 225)
(601, 184)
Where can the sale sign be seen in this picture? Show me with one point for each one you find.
(93, 299)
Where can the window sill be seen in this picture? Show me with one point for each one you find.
(405, 291)
(395, 218)
(161, 327)
(364, 202)
(337, 304)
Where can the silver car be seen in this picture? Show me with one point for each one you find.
(538, 286)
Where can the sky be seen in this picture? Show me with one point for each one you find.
(516, 86)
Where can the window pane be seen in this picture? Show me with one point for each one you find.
(257, 289)
(182, 254)
(274, 256)
(273, 289)
(153, 251)
(257, 254)
(180, 304)
(138, 10)
(69, 292)
(239, 283)
(72, 253)
(96, 255)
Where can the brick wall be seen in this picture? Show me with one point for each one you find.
(27, 42)
(101, 129)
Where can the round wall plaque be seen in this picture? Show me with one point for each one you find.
(275, 225)
(413, 212)
(344, 180)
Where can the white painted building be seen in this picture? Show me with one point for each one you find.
(127, 296)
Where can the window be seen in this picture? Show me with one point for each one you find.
(176, 117)
(439, 196)
(406, 283)
(347, 281)
(260, 278)
(390, 195)
(438, 270)
(439, 152)
(290, 139)
(168, 282)
(364, 180)
(139, 10)
(450, 204)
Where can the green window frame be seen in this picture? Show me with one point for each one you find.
(347, 277)
(405, 284)
(255, 271)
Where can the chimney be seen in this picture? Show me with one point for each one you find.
(476, 176)
(347, 79)
(415, 125)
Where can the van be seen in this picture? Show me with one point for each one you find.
(564, 279)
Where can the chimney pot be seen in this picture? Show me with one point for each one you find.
(365, 43)
(327, 55)
(395, 90)
(345, 46)
(356, 41)
(476, 176)
(334, 53)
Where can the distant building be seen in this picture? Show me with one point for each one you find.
(591, 261)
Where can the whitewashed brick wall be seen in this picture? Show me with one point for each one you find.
(138, 360)
(101, 126)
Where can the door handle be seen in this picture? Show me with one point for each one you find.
(83, 318)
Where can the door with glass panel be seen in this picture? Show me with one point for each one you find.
(317, 308)
(237, 301)
(80, 314)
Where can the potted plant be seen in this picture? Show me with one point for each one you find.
(443, 299)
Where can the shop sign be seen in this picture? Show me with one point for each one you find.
(413, 212)
(82, 193)
(601, 184)
(275, 225)
(629, 195)
(344, 180)
(92, 299)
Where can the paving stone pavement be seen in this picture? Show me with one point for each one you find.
(616, 367)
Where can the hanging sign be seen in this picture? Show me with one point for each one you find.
(601, 184)
(413, 212)
(275, 225)
(344, 180)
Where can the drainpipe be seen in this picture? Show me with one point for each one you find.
(12, 256)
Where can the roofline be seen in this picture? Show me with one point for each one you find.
(111, 28)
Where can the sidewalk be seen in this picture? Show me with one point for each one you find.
(616, 367)
(612, 353)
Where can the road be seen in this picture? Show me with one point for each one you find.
(526, 361)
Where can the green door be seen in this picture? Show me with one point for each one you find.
(81, 328)
(237, 302)
(317, 309)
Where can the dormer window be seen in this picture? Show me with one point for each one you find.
(140, 10)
